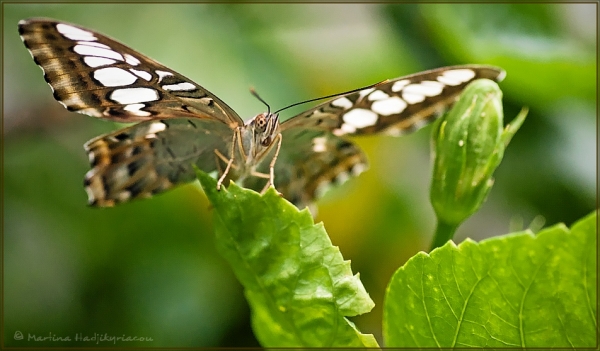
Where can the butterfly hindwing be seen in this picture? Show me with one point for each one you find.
(151, 157)
(309, 163)
(96, 75)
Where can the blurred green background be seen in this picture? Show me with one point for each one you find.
(150, 269)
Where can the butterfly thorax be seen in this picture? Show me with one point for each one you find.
(253, 142)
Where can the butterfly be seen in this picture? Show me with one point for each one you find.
(180, 124)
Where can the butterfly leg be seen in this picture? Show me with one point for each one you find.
(222, 178)
(220, 157)
(228, 161)
(272, 165)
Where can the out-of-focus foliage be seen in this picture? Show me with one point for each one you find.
(150, 268)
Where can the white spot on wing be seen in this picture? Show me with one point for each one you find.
(348, 128)
(120, 175)
(94, 51)
(399, 85)
(427, 88)
(91, 112)
(342, 102)
(131, 60)
(394, 131)
(74, 33)
(389, 106)
(319, 144)
(91, 194)
(142, 74)
(419, 123)
(72, 100)
(377, 95)
(365, 92)
(179, 86)
(114, 77)
(360, 118)
(344, 129)
(322, 188)
(134, 95)
(124, 195)
(358, 169)
(136, 110)
(456, 76)
(91, 157)
(156, 127)
(162, 74)
(412, 98)
(94, 61)
(342, 177)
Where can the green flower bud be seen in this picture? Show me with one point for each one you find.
(468, 146)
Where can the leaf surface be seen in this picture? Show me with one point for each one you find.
(518, 290)
(299, 287)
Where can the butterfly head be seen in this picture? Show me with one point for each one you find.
(265, 128)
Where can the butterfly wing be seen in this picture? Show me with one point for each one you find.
(181, 122)
(396, 106)
(92, 74)
(151, 157)
(314, 153)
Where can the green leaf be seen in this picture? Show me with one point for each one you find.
(297, 283)
(519, 290)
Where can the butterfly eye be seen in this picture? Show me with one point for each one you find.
(266, 141)
(260, 123)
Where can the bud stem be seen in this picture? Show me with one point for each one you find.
(444, 231)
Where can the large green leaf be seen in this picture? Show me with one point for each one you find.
(519, 290)
(299, 287)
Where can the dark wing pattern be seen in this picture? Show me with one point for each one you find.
(151, 157)
(92, 74)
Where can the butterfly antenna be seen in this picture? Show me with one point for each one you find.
(253, 92)
(334, 95)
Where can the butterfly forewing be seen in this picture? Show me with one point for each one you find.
(93, 74)
(395, 107)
